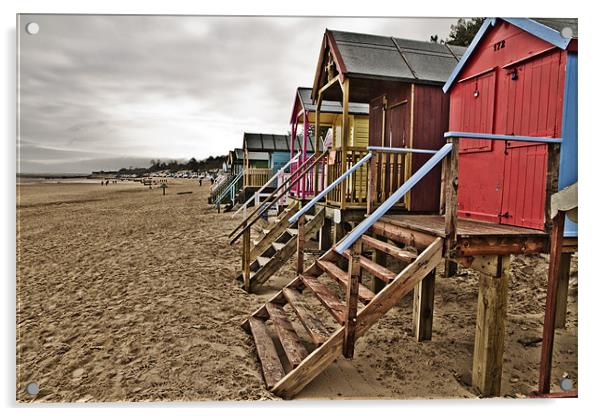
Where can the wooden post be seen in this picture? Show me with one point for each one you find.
(300, 243)
(325, 236)
(246, 257)
(547, 345)
(379, 258)
(489, 337)
(344, 139)
(451, 199)
(563, 290)
(372, 183)
(424, 301)
(317, 141)
(353, 281)
(551, 181)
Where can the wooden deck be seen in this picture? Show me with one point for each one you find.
(478, 237)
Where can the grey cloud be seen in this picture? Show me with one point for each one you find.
(165, 86)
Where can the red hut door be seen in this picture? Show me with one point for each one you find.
(529, 107)
(481, 168)
(376, 121)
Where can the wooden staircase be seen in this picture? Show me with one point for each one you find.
(278, 243)
(293, 340)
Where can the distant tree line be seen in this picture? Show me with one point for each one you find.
(193, 165)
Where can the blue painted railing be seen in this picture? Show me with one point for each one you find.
(506, 137)
(230, 190)
(329, 188)
(365, 225)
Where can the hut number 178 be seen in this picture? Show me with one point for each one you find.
(499, 45)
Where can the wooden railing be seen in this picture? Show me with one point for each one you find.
(388, 171)
(256, 177)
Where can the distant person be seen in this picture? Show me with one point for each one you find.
(200, 182)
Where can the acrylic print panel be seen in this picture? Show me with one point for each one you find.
(157, 254)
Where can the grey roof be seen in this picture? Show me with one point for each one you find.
(266, 142)
(383, 57)
(334, 107)
(240, 154)
(559, 23)
(259, 156)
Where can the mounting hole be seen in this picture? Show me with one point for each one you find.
(566, 384)
(566, 32)
(32, 389)
(32, 28)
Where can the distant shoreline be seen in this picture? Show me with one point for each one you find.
(54, 175)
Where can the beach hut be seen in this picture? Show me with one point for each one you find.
(303, 120)
(400, 80)
(264, 155)
(517, 78)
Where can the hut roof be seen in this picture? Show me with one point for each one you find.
(327, 106)
(547, 29)
(390, 58)
(266, 142)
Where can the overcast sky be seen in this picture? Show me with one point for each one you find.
(104, 92)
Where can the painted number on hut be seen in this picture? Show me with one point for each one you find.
(499, 45)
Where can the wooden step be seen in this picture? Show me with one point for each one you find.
(292, 231)
(262, 260)
(278, 246)
(266, 350)
(375, 269)
(365, 295)
(265, 230)
(393, 251)
(328, 299)
(291, 343)
(314, 327)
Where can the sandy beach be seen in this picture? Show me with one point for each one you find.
(124, 294)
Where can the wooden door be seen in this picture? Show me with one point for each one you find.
(481, 167)
(376, 121)
(530, 101)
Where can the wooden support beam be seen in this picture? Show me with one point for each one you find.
(300, 243)
(424, 304)
(344, 140)
(553, 167)
(451, 199)
(353, 283)
(317, 140)
(547, 344)
(379, 258)
(489, 337)
(372, 175)
(325, 237)
(563, 290)
(246, 258)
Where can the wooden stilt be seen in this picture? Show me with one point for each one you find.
(325, 237)
(379, 258)
(339, 231)
(372, 174)
(246, 258)
(352, 299)
(489, 337)
(300, 243)
(547, 345)
(424, 302)
(451, 199)
(451, 268)
(563, 290)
